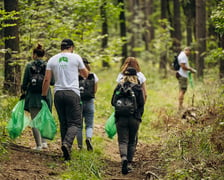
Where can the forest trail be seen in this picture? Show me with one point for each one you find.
(25, 163)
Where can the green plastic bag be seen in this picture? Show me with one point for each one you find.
(191, 80)
(44, 122)
(110, 126)
(19, 121)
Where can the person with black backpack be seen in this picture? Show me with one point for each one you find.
(31, 90)
(182, 74)
(128, 102)
(88, 88)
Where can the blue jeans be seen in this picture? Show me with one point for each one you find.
(88, 119)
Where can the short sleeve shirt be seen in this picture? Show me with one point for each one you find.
(65, 68)
(182, 58)
(140, 75)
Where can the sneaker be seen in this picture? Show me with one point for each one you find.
(44, 145)
(89, 145)
(66, 152)
(38, 148)
(124, 168)
(130, 168)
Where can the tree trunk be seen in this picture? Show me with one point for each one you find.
(176, 20)
(135, 27)
(200, 36)
(151, 26)
(221, 65)
(146, 25)
(163, 56)
(12, 79)
(104, 31)
(189, 12)
(123, 30)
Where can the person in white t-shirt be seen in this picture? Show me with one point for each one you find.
(132, 62)
(65, 67)
(183, 74)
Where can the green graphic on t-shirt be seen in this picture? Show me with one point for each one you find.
(65, 59)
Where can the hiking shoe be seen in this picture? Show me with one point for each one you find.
(44, 145)
(38, 148)
(130, 168)
(124, 168)
(89, 145)
(66, 152)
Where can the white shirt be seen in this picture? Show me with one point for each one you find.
(140, 75)
(182, 58)
(65, 68)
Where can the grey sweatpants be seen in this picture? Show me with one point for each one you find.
(68, 107)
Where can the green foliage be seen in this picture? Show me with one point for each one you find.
(218, 18)
(48, 22)
(162, 42)
(5, 17)
(86, 165)
(6, 106)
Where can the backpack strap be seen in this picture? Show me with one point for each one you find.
(90, 76)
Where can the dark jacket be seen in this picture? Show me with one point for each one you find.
(33, 100)
(139, 99)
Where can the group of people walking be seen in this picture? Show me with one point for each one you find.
(68, 71)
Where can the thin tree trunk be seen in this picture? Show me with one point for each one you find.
(12, 69)
(104, 31)
(163, 56)
(189, 12)
(200, 36)
(221, 64)
(123, 30)
(176, 20)
(146, 33)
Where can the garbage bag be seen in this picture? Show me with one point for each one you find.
(110, 126)
(19, 121)
(44, 122)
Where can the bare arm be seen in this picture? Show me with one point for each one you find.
(84, 72)
(95, 88)
(186, 68)
(144, 91)
(46, 82)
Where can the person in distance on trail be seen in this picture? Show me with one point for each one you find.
(132, 62)
(128, 124)
(182, 74)
(31, 90)
(88, 88)
(65, 67)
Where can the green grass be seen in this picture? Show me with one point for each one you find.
(160, 109)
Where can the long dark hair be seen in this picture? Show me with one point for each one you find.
(39, 51)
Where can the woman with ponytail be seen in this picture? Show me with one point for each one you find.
(31, 90)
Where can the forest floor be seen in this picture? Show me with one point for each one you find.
(24, 163)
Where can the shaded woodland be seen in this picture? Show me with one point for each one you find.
(172, 145)
(107, 31)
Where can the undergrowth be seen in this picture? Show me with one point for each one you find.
(192, 148)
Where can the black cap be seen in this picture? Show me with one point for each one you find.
(130, 71)
(67, 43)
(85, 61)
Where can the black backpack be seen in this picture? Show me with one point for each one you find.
(86, 87)
(124, 100)
(37, 73)
(175, 63)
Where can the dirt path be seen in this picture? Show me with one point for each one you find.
(25, 163)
